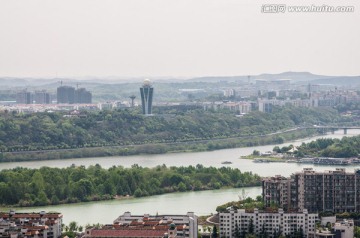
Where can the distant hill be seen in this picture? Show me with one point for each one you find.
(90, 82)
(218, 79)
(294, 76)
(13, 82)
(342, 80)
(53, 83)
(24, 82)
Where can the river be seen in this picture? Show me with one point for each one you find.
(201, 202)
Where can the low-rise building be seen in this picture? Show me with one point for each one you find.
(266, 105)
(158, 226)
(26, 225)
(331, 229)
(344, 229)
(239, 107)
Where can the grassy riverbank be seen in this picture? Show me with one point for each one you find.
(264, 158)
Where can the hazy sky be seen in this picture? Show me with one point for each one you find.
(42, 38)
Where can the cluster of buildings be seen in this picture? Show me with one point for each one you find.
(49, 225)
(30, 225)
(68, 98)
(39, 97)
(330, 191)
(70, 95)
(237, 222)
(318, 99)
(293, 204)
(64, 95)
(280, 92)
(261, 96)
(238, 107)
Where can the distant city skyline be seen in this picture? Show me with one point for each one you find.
(181, 38)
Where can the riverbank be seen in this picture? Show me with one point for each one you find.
(264, 159)
(159, 148)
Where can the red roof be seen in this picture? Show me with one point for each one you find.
(127, 233)
(151, 223)
(31, 215)
(26, 215)
(53, 215)
(36, 227)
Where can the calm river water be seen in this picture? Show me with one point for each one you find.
(202, 202)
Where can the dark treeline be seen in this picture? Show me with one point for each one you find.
(47, 131)
(350, 106)
(38, 187)
(336, 148)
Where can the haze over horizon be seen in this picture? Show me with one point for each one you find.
(161, 38)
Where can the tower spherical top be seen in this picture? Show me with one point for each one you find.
(147, 82)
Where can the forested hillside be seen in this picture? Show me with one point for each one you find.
(43, 131)
(28, 187)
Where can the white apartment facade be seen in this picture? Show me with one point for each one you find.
(279, 222)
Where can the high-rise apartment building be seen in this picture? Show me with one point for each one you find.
(66, 94)
(42, 97)
(335, 191)
(24, 97)
(146, 92)
(83, 96)
(278, 191)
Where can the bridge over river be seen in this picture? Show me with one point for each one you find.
(332, 128)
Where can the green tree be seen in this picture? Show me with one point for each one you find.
(73, 226)
(182, 187)
(357, 231)
(41, 199)
(251, 226)
(214, 233)
(237, 233)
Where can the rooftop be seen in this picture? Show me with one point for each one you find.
(127, 233)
